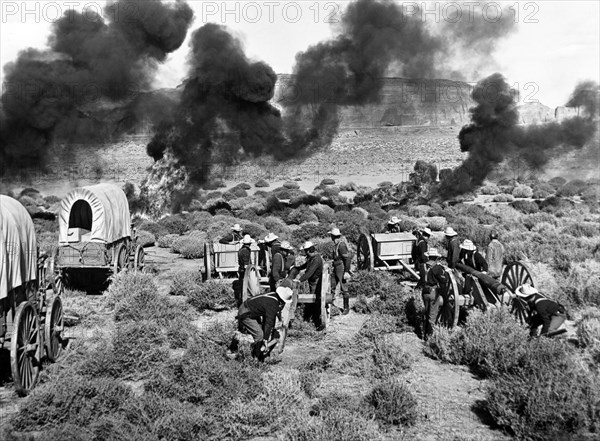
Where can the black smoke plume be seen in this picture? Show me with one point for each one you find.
(349, 70)
(494, 135)
(224, 107)
(92, 60)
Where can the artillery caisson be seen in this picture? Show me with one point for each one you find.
(484, 292)
(221, 261)
(95, 233)
(386, 252)
(31, 313)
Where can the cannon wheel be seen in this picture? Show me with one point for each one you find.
(450, 310)
(207, 263)
(56, 276)
(119, 258)
(251, 286)
(54, 328)
(364, 254)
(514, 275)
(25, 348)
(325, 292)
(138, 259)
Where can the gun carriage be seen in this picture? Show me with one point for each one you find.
(386, 252)
(31, 313)
(95, 233)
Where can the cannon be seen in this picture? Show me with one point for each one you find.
(485, 292)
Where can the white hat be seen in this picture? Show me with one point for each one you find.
(271, 237)
(450, 232)
(308, 244)
(526, 290)
(236, 227)
(335, 232)
(284, 293)
(426, 231)
(468, 245)
(247, 239)
(394, 220)
(286, 245)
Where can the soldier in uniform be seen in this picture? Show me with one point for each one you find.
(272, 242)
(419, 253)
(279, 267)
(341, 267)
(313, 270)
(393, 225)
(234, 237)
(494, 256)
(548, 314)
(436, 281)
(453, 246)
(244, 256)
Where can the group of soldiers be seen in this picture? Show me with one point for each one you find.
(257, 315)
(433, 281)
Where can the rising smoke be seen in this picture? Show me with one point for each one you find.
(494, 135)
(90, 59)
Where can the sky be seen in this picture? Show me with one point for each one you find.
(555, 45)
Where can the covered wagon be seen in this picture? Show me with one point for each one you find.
(31, 315)
(95, 232)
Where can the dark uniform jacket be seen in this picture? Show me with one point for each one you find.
(419, 250)
(275, 247)
(314, 269)
(341, 256)
(473, 259)
(266, 308)
(392, 228)
(453, 251)
(244, 258)
(546, 309)
(278, 270)
(233, 237)
(437, 276)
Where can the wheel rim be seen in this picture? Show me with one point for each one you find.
(56, 277)
(207, 265)
(515, 275)
(54, 329)
(365, 253)
(25, 348)
(139, 258)
(449, 311)
(325, 287)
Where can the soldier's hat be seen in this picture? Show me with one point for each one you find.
(468, 245)
(286, 245)
(308, 245)
(335, 232)
(271, 237)
(450, 232)
(526, 290)
(236, 227)
(247, 239)
(284, 293)
(426, 231)
(394, 220)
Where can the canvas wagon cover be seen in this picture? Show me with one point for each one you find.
(110, 213)
(18, 246)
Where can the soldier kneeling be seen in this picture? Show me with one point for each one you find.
(548, 314)
(257, 316)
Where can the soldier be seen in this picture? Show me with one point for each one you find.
(313, 271)
(436, 282)
(393, 225)
(244, 256)
(279, 269)
(272, 242)
(234, 237)
(257, 317)
(544, 312)
(453, 246)
(471, 257)
(419, 253)
(341, 267)
(494, 256)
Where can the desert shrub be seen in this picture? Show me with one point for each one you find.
(333, 424)
(580, 283)
(534, 219)
(145, 238)
(588, 328)
(490, 189)
(370, 283)
(304, 199)
(541, 194)
(378, 325)
(184, 282)
(328, 181)
(244, 186)
(389, 359)
(351, 224)
(154, 228)
(591, 193)
(301, 215)
(214, 184)
(167, 240)
(291, 185)
(557, 182)
(324, 247)
(392, 403)
(349, 186)
(543, 187)
(479, 234)
(254, 229)
(385, 184)
(392, 300)
(435, 223)
(190, 246)
(214, 195)
(276, 226)
(503, 198)
(408, 224)
(582, 229)
(419, 211)
(309, 231)
(173, 224)
(522, 191)
(51, 199)
(212, 294)
(527, 207)
(324, 213)
(261, 183)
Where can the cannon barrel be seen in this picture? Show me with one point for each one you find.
(486, 280)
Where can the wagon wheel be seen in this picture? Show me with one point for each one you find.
(119, 258)
(138, 260)
(251, 285)
(364, 254)
(450, 309)
(514, 275)
(207, 263)
(54, 328)
(325, 293)
(25, 348)
(56, 276)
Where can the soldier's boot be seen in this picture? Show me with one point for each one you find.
(346, 305)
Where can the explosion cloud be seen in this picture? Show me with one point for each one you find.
(91, 58)
(494, 135)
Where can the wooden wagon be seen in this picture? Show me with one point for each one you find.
(386, 252)
(31, 313)
(221, 261)
(485, 292)
(95, 233)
